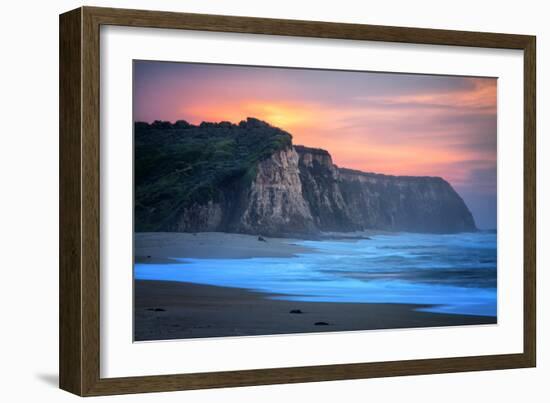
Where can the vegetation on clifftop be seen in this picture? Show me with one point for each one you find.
(178, 165)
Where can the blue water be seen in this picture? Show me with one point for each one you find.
(453, 274)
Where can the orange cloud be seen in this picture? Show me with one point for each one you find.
(286, 115)
(482, 98)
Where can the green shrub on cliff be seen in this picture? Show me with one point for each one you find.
(178, 165)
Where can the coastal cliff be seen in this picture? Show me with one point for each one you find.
(250, 178)
(342, 199)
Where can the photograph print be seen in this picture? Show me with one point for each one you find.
(271, 200)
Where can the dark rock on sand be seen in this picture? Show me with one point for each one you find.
(295, 311)
(208, 311)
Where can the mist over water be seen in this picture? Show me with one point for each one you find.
(447, 273)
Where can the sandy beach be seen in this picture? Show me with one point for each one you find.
(171, 310)
(179, 310)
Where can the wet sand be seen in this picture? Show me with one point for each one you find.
(172, 310)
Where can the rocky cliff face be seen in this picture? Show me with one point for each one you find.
(287, 190)
(343, 199)
(275, 202)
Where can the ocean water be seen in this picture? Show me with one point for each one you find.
(453, 274)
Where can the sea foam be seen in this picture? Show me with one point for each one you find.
(454, 274)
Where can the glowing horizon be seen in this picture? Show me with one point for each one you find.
(397, 124)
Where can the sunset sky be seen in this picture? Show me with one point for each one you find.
(398, 124)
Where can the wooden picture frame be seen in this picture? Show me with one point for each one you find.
(79, 346)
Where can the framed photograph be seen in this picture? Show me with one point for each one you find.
(248, 201)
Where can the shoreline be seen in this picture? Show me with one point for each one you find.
(167, 310)
(161, 247)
